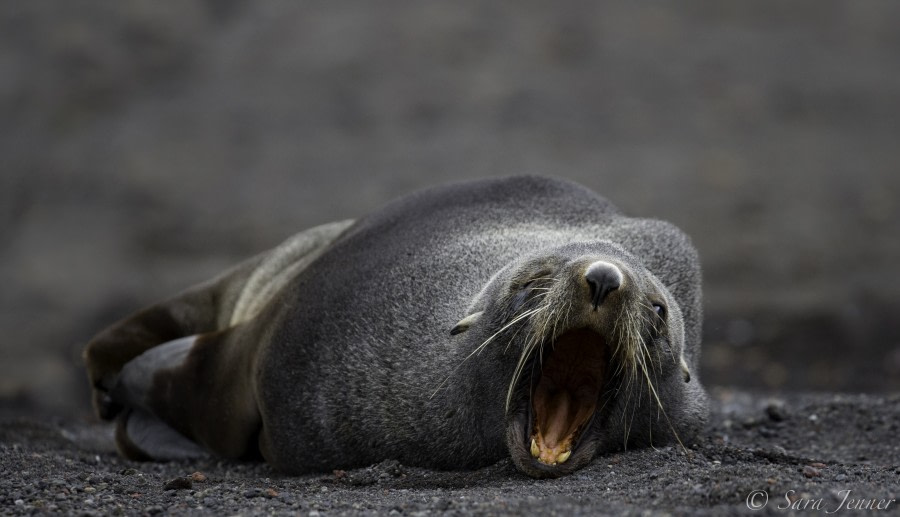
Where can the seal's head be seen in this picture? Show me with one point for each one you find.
(595, 343)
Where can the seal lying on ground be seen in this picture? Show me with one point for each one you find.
(523, 316)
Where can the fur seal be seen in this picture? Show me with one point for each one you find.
(524, 317)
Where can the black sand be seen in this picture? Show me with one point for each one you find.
(803, 449)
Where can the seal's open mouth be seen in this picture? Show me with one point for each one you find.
(566, 395)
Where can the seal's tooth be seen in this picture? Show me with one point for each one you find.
(563, 457)
(535, 451)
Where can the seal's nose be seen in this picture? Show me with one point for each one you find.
(603, 278)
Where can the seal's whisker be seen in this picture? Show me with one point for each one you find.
(637, 356)
(647, 321)
(481, 347)
(622, 382)
(527, 314)
(526, 352)
(651, 323)
(513, 337)
(530, 345)
(512, 322)
(630, 422)
(535, 341)
(633, 356)
(523, 358)
(659, 358)
(538, 310)
(661, 408)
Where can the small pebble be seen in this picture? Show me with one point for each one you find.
(198, 477)
(811, 472)
(253, 492)
(178, 484)
(775, 411)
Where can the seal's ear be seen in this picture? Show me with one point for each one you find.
(685, 371)
(465, 323)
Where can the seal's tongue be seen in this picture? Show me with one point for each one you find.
(566, 394)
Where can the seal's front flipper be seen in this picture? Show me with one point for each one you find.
(189, 394)
(190, 313)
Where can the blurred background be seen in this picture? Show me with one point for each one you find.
(146, 146)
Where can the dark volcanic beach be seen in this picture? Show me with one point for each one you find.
(815, 450)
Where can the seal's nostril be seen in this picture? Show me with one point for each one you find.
(603, 278)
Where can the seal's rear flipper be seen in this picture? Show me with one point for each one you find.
(134, 386)
(141, 436)
(187, 395)
(231, 299)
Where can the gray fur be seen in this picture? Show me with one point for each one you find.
(363, 342)
(280, 265)
(354, 361)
